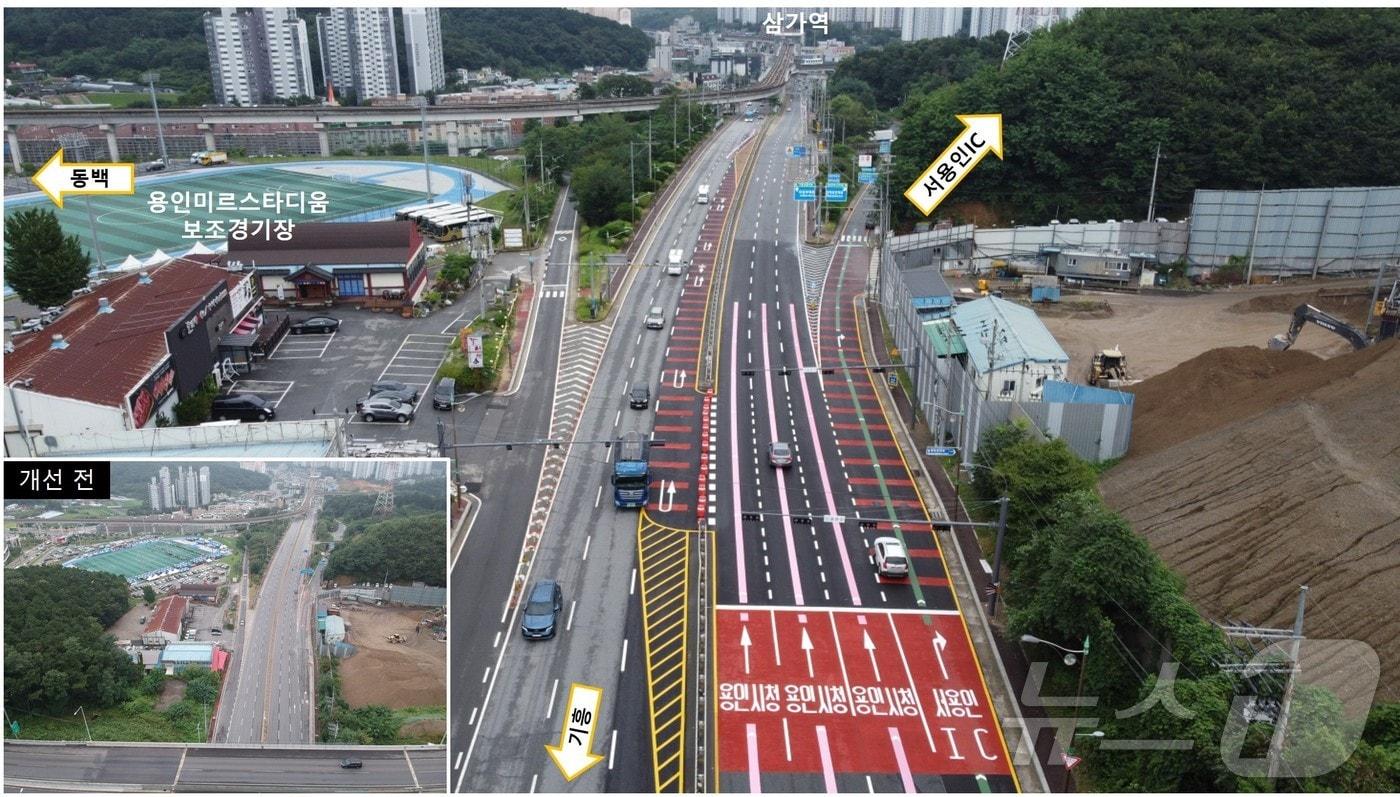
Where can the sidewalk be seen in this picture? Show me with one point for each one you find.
(1021, 723)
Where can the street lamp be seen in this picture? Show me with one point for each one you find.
(85, 723)
(1004, 503)
(1071, 656)
(151, 77)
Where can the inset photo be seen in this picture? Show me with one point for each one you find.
(222, 625)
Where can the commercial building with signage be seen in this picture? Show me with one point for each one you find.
(338, 263)
(125, 354)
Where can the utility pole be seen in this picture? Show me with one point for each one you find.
(632, 177)
(1281, 724)
(996, 556)
(1254, 236)
(674, 110)
(1152, 196)
(525, 173)
(651, 171)
(92, 224)
(541, 158)
(991, 361)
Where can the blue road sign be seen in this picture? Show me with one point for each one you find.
(799, 151)
(940, 451)
(867, 176)
(835, 192)
(833, 177)
(804, 192)
(884, 147)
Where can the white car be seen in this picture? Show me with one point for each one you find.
(675, 264)
(656, 318)
(890, 558)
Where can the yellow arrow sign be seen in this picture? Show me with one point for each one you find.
(58, 179)
(981, 134)
(574, 755)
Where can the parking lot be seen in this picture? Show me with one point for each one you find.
(315, 375)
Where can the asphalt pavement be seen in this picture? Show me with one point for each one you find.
(509, 693)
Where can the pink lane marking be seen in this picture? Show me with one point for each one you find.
(821, 463)
(734, 456)
(796, 575)
(899, 757)
(755, 784)
(828, 772)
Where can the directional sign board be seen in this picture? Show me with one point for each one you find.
(864, 161)
(884, 147)
(867, 176)
(835, 192)
(804, 192)
(833, 177)
(474, 352)
(940, 451)
(799, 151)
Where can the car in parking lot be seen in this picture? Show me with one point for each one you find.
(317, 324)
(401, 396)
(241, 406)
(656, 318)
(385, 409)
(779, 454)
(639, 397)
(385, 385)
(445, 394)
(541, 614)
(890, 558)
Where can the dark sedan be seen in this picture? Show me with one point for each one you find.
(541, 614)
(316, 325)
(386, 385)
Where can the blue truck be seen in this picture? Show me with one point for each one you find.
(631, 480)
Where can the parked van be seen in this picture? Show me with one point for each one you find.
(445, 393)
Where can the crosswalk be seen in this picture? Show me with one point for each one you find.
(854, 238)
(553, 291)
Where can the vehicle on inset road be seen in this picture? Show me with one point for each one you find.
(318, 324)
(241, 406)
(385, 385)
(656, 318)
(541, 614)
(779, 454)
(351, 763)
(385, 409)
(890, 559)
(639, 398)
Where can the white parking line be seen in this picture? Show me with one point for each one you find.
(301, 346)
(255, 387)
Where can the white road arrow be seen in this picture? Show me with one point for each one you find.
(807, 648)
(870, 648)
(939, 643)
(679, 380)
(840, 339)
(670, 494)
(746, 642)
(575, 755)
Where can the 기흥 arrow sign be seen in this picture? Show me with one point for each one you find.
(574, 755)
(57, 179)
(981, 134)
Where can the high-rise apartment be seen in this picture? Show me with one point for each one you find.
(422, 41)
(359, 54)
(257, 56)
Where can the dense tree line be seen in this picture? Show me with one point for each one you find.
(1076, 571)
(524, 40)
(56, 651)
(258, 542)
(403, 548)
(1235, 97)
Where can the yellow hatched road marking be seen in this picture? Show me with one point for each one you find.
(663, 562)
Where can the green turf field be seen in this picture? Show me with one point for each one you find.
(127, 226)
(143, 558)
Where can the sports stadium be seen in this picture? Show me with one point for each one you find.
(147, 559)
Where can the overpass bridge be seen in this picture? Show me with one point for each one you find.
(446, 123)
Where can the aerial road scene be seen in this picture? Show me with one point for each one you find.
(805, 399)
(213, 613)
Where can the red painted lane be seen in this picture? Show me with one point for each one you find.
(869, 672)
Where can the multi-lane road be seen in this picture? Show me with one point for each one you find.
(738, 630)
(268, 698)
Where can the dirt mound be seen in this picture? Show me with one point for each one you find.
(1224, 386)
(1262, 471)
(1349, 305)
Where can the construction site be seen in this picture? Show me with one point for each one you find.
(1265, 446)
(400, 657)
